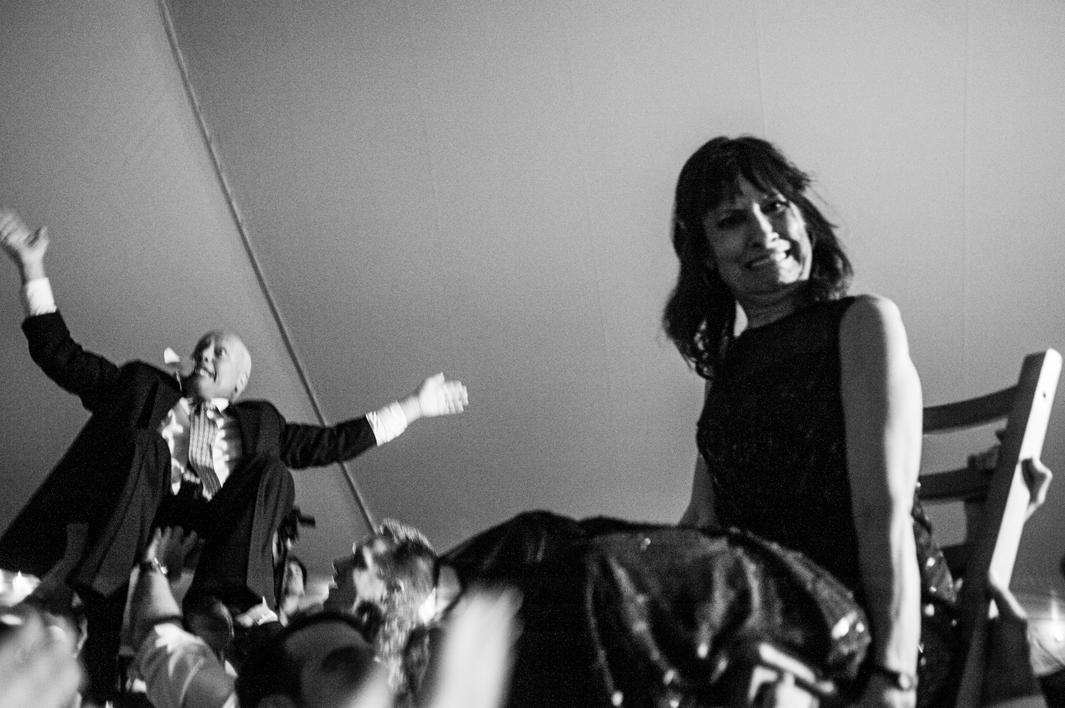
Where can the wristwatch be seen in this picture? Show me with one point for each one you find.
(146, 566)
(899, 679)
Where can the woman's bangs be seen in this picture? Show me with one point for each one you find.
(770, 175)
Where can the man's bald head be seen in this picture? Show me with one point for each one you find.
(221, 366)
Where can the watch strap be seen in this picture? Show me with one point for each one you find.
(146, 566)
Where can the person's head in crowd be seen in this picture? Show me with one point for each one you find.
(294, 581)
(700, 314)
(396, 561)
(317, 660)
(221, 367)
(293, 588)
(212, 621)
(389, 583)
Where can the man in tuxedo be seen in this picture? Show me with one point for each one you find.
(165, 450)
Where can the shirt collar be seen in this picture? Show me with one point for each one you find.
(219, 404)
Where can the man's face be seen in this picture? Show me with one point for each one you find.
(293, 583)
(357, 578)
(331, 673)
(221, 365)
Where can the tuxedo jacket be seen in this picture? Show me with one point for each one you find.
(127, 405)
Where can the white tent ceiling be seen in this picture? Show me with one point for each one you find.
(484, 188)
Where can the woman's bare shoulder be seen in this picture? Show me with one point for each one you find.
(872, 321)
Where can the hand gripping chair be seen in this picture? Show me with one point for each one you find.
(996, 507)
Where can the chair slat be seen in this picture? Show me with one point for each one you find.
(995, 547)
(1004, 496)
(956, 485)
(969, 413)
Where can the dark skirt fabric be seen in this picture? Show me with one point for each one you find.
(622, 614)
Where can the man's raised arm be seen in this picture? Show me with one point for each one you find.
(76, 370)
(26, 249)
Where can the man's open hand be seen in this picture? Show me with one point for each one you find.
(23, 246)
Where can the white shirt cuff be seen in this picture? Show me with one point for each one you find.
(37, 298)
(387, 423)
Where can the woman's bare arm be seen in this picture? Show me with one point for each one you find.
(700, 511)
(881, 396)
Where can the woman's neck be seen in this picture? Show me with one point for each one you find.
(760, 312)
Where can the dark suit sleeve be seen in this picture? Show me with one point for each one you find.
(315, 445)
(88, 376)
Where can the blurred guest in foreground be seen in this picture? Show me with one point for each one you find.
(38, 664)
(389, 583)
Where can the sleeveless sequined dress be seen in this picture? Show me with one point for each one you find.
(772, 434)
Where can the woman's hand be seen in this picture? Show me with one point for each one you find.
(1036, 475)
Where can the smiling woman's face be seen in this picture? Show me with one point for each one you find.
(758, 244)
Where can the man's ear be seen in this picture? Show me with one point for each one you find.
(241, 383)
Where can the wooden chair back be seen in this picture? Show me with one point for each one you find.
(1001, 496)
(999, 499)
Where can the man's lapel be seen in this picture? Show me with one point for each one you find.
(164, 397)
(249, 419)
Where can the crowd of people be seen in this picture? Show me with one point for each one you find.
(804, 526)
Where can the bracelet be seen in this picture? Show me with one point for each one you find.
(899, 679)
(146, 566)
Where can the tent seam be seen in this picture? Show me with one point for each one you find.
(230, 198)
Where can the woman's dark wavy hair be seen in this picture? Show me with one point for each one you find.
(700, 314)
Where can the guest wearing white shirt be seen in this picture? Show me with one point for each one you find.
(319, 659)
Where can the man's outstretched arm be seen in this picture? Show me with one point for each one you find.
(316, 446)
(64, 361)
(26, 248)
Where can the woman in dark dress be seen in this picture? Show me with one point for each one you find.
(809, 440)
(811, 431)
